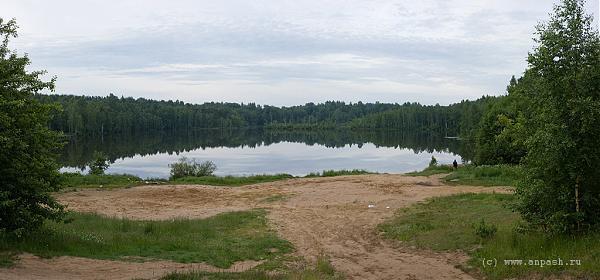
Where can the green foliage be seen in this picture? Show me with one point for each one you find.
(231, 180)
(274, 198)
(190, 168)
(459, 119)
(512, 245)
(27, 147)
(333, 173)
(560, 191)
(220, 240)
(432, 170)
(323, 270)
(99, 164)
(77, 180)
(255, 179)
(202, 275)
(500, 138)
(485, 230)
(433, 162)
(485, 175)
(84, 115)
(324, 266)
(7, 259)
(111, 115)
(446, 223)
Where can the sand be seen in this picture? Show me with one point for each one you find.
(320, 216)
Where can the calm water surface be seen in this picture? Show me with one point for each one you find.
(246, 152)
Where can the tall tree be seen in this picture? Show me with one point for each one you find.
(561, 190)
(500, 137)
(28, 171)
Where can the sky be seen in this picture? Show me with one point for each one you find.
(280, 52)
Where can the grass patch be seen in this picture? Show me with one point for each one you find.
(274, 198)
(485, 175)
(537, 246)
(7, 258)
(432, 170)
(220, 240)
(333, 173)
(231, 180)
(448, 223)
(322, 270)
(77, 180)
(455, 222)
(72, 181)
(201, 275)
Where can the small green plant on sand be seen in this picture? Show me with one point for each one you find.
(99, 164)
(484, 230)
(433, 162)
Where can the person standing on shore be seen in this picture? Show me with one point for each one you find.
(455, 164)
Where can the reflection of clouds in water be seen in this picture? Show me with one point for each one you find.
(286, 157)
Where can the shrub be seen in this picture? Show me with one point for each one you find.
(433, 162)
(99, 164)
(190, 168)
(484, 230)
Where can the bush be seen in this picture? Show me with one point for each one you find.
(190, 168)
(433, 162)
(99, 164)
(484, 230)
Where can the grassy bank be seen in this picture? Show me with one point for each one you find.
(76, 180)
(231, 180)
(220, 240)
(484, 175)
(432, 170)
(333, 173)
(483, 226)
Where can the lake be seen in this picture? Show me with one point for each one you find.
(247, 151)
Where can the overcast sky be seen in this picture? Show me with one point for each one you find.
(280, 52)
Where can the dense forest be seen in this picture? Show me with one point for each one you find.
(83, 115)
(459, 119)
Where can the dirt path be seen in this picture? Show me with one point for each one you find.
(331, 216)
(320, 216)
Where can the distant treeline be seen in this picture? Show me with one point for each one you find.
(84, 115)
(110, 115)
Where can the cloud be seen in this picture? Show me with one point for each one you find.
(280, 52)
